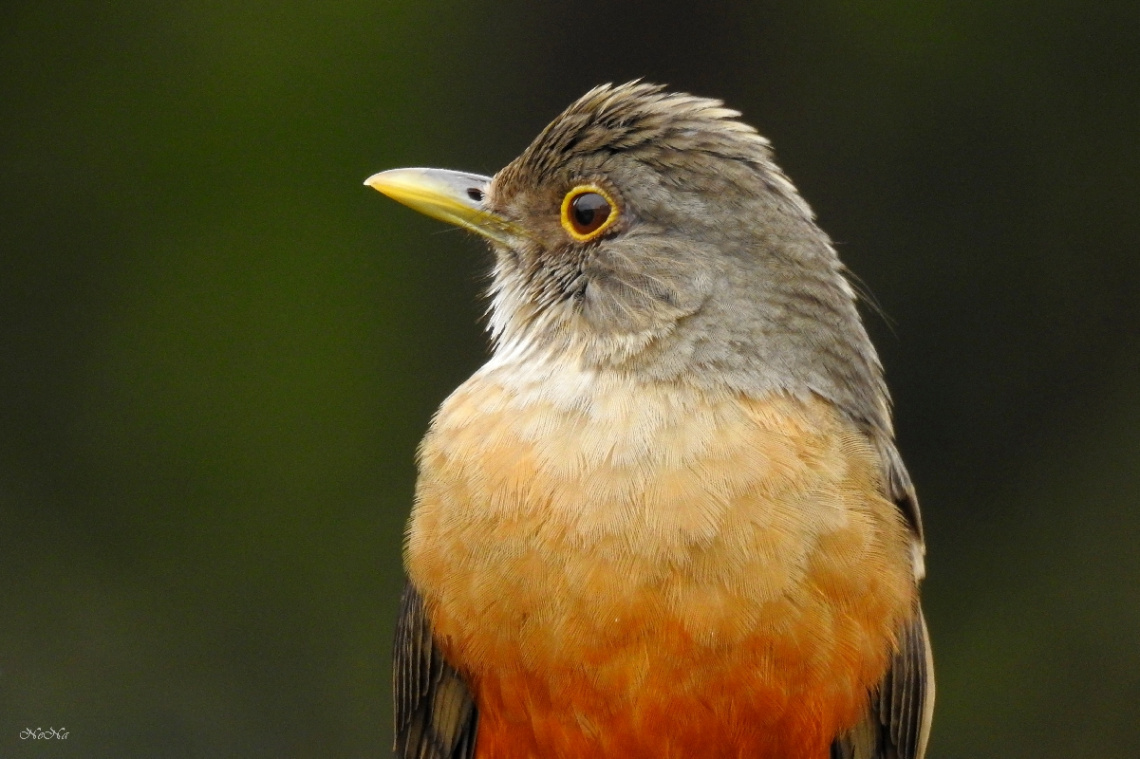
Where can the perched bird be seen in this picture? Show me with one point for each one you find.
(667, 518)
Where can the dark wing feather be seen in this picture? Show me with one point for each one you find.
(435, 713)
(897, 724)
(899, 487)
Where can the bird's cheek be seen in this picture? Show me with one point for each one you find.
(614, 305)
(506, 254)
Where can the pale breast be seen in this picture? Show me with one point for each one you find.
(563, 514)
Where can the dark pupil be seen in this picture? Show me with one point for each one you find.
(590, 211)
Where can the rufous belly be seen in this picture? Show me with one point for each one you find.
(656, 571)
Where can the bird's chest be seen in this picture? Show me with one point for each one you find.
(581, 506)
(581, 543)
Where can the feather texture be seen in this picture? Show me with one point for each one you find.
(435, 713)
(897, 725)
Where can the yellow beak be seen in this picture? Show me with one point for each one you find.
(450, 196)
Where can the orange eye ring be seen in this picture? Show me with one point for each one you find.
(587, 212)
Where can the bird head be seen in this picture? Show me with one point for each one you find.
(651, 233)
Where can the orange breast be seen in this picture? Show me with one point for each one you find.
(687, 575)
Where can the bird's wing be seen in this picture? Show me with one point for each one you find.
(900, 490)
(897, 724)
(435, 713)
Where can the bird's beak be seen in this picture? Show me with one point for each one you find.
(450, 196)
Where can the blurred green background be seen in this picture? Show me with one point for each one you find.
(218, 350)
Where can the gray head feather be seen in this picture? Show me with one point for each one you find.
(715, 274)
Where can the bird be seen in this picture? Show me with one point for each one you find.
(668, 516)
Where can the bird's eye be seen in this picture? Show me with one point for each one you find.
(587, 211)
